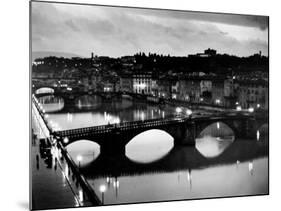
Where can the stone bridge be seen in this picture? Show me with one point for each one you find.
(184, 130)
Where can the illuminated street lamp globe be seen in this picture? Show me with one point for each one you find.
(238, 108)
(251, 109)
(178, 110)
(188, 112)
(65, 140)
(102, 188)
(79, 158)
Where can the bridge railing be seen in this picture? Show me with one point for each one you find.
(121, 126)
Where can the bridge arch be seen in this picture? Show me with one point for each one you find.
(51, 103)
(217, 129)
(237, 127)
(83, 152)
(44, 90)
(149, 146)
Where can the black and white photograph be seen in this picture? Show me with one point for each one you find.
(135, 105)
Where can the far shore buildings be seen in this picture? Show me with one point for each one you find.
(99, 74)
(142, 82)
(253, 94)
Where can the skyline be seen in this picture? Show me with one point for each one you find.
(82, 29)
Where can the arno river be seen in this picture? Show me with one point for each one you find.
(153, 169)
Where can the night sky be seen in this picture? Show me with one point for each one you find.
(114, 31)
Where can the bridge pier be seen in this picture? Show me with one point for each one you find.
(249, 129)
(184, 134)
(112, 146)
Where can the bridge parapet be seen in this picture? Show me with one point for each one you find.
(125, 126)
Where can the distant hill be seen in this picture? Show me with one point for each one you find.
(42, 54)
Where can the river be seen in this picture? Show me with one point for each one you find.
(153, 168)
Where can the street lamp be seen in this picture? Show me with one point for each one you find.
(238, 108)
(188, 112)
(65, 140)
(178, 110)
(102, 190)
(251, 109)
(79, 159)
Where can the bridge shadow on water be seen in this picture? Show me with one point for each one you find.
(179, 158)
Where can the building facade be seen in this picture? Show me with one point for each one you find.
(253, 94)
(142, 83)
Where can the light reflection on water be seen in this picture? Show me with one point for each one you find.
(214, 181)
(205, 170)
(92, 111)
(51, 103)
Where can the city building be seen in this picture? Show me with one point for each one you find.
(142, 82)
(126, 83)
(230, 92)
(205, 86)
(207, 53)
(164, 88)
(175, 89)
(189, 89)
(218, 91)
(253, 94)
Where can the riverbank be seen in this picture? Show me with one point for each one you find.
(53, 183)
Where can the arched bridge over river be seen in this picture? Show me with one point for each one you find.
(113, 138)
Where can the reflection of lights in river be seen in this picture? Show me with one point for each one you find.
(79, 104)
(81, 199)
(258, 135)
(218, 125)
(69, 117)
(142, 116)
(251, 167)
(111, 119)
(66, 171)
(237, 164)
(189, 178)
(116, 184)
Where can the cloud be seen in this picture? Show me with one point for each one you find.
(122, 31)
